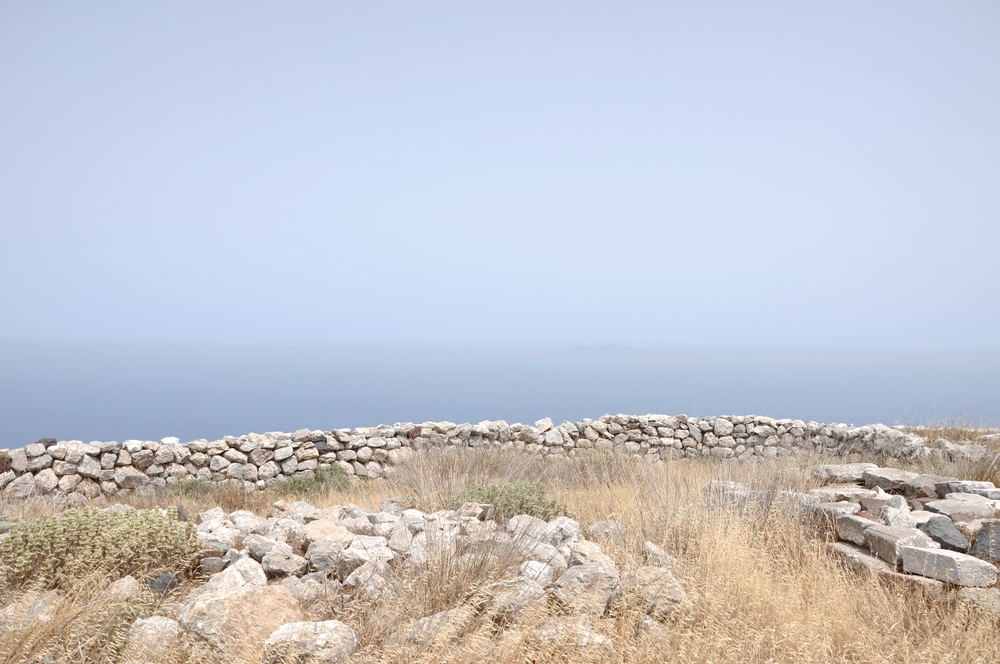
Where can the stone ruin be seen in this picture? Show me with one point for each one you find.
(78, 471)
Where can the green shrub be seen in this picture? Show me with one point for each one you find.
(512, 498)
(55, 551)
(323, 479)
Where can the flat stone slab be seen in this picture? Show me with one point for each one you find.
(852, 528)
(985, 598)
(962, 510)
(862, 561)
(841, 472)
(926, 482)
(887, 479)
(832, 510)
(962, 486)
(834, 494)
(948, 566)
(968, 497)
(886, 542)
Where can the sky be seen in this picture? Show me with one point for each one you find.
(720, 174)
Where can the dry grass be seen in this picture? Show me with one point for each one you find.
(761, 586)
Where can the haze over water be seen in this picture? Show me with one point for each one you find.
(148, 391)
(222, 217)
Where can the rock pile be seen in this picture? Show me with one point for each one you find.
(923, 529)
(268, 572)
(84, 470)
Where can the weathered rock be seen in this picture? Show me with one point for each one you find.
(46, 481)
(525, 525)
(835, 494)
(842, 472)
(224, 622)
(887, 479)
(127, 477)
(962, 486)
(887, 541)
(986, 546)
(372, 549)
(149, 638)
(21, 487)
(588, 589)
(962, 510)
(949, 566)
(851, 528)
(585, 551)
(443, 626)
(657, 557)
(940, 529)
(324, 529)
(607, 531)
(280, 561)
(326, 642)
(541, 573)
(655, 589)
(367, 579)
(574, 633)
(986, 599)
(861, 561)
(506, 600)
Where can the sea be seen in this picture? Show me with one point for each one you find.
(120, 391)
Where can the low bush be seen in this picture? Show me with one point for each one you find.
(512, 498)
(55, 551)
(323, 480)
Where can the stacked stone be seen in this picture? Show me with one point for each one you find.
(84, 470)
(935, 527)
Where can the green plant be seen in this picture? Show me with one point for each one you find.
(512, 498)
(56, 551)
(323, 479)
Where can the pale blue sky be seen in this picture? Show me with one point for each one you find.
(727, 174)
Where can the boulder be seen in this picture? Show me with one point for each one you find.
(46, 481)
(574, 633)
(657, 557)
(986, 599)
(228, 623)
(607, 531)
(21, 487)
(149, 638)
(986, 546)
(325, 529)
(941, 529)
(280, 561)
(506, 600)
(326, 642)
(887, 479)
(539, 572)
(127, 477)
(655, 590)
(587, 589)
(442, 626)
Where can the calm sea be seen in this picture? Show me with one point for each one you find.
(148, 391)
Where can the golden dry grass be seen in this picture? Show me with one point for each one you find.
(761, 585)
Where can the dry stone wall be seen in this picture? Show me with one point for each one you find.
(86, 470)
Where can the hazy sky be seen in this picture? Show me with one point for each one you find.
(739, 174)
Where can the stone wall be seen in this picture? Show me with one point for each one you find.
(86, 470)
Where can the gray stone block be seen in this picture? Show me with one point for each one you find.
(949, 566)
